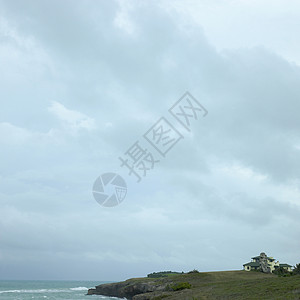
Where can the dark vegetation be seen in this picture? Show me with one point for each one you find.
(181, 286)
(162, 274)
(296, 270)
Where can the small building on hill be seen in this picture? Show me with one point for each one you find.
(272, 264)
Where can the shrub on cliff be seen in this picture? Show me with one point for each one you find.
(281, 272)
(181, 286)
(296, 270)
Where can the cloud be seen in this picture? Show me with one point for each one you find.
(243, 24)
(74, 119)
(123, 20)
(116, 68)
(13, 134)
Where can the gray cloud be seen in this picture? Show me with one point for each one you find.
(82, 82)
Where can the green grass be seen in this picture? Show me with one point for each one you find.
(181, 286)
(239, 285)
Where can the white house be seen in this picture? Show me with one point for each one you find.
(254, 264)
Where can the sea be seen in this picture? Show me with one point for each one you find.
(49, 290)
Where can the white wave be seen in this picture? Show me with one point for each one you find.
(34, 291)
(11, 291)
(80, 288)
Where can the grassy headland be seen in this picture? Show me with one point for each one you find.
(240, 285)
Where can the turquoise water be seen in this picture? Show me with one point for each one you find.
(48, 290)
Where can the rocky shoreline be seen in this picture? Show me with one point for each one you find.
(132, 289)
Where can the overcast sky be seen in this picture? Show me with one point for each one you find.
(81, 81)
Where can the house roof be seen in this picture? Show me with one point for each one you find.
(257, 257)
(284, 265)
(252, 264)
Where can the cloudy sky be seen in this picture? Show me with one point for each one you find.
(81, 81)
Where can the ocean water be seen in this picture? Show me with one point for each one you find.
(48, 290)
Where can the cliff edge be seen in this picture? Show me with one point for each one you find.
(238, 285)
(135, 289)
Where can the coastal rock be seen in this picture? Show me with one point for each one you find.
(128, 289)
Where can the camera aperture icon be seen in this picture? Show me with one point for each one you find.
(109, 189)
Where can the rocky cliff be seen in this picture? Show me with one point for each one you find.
(135, 289)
